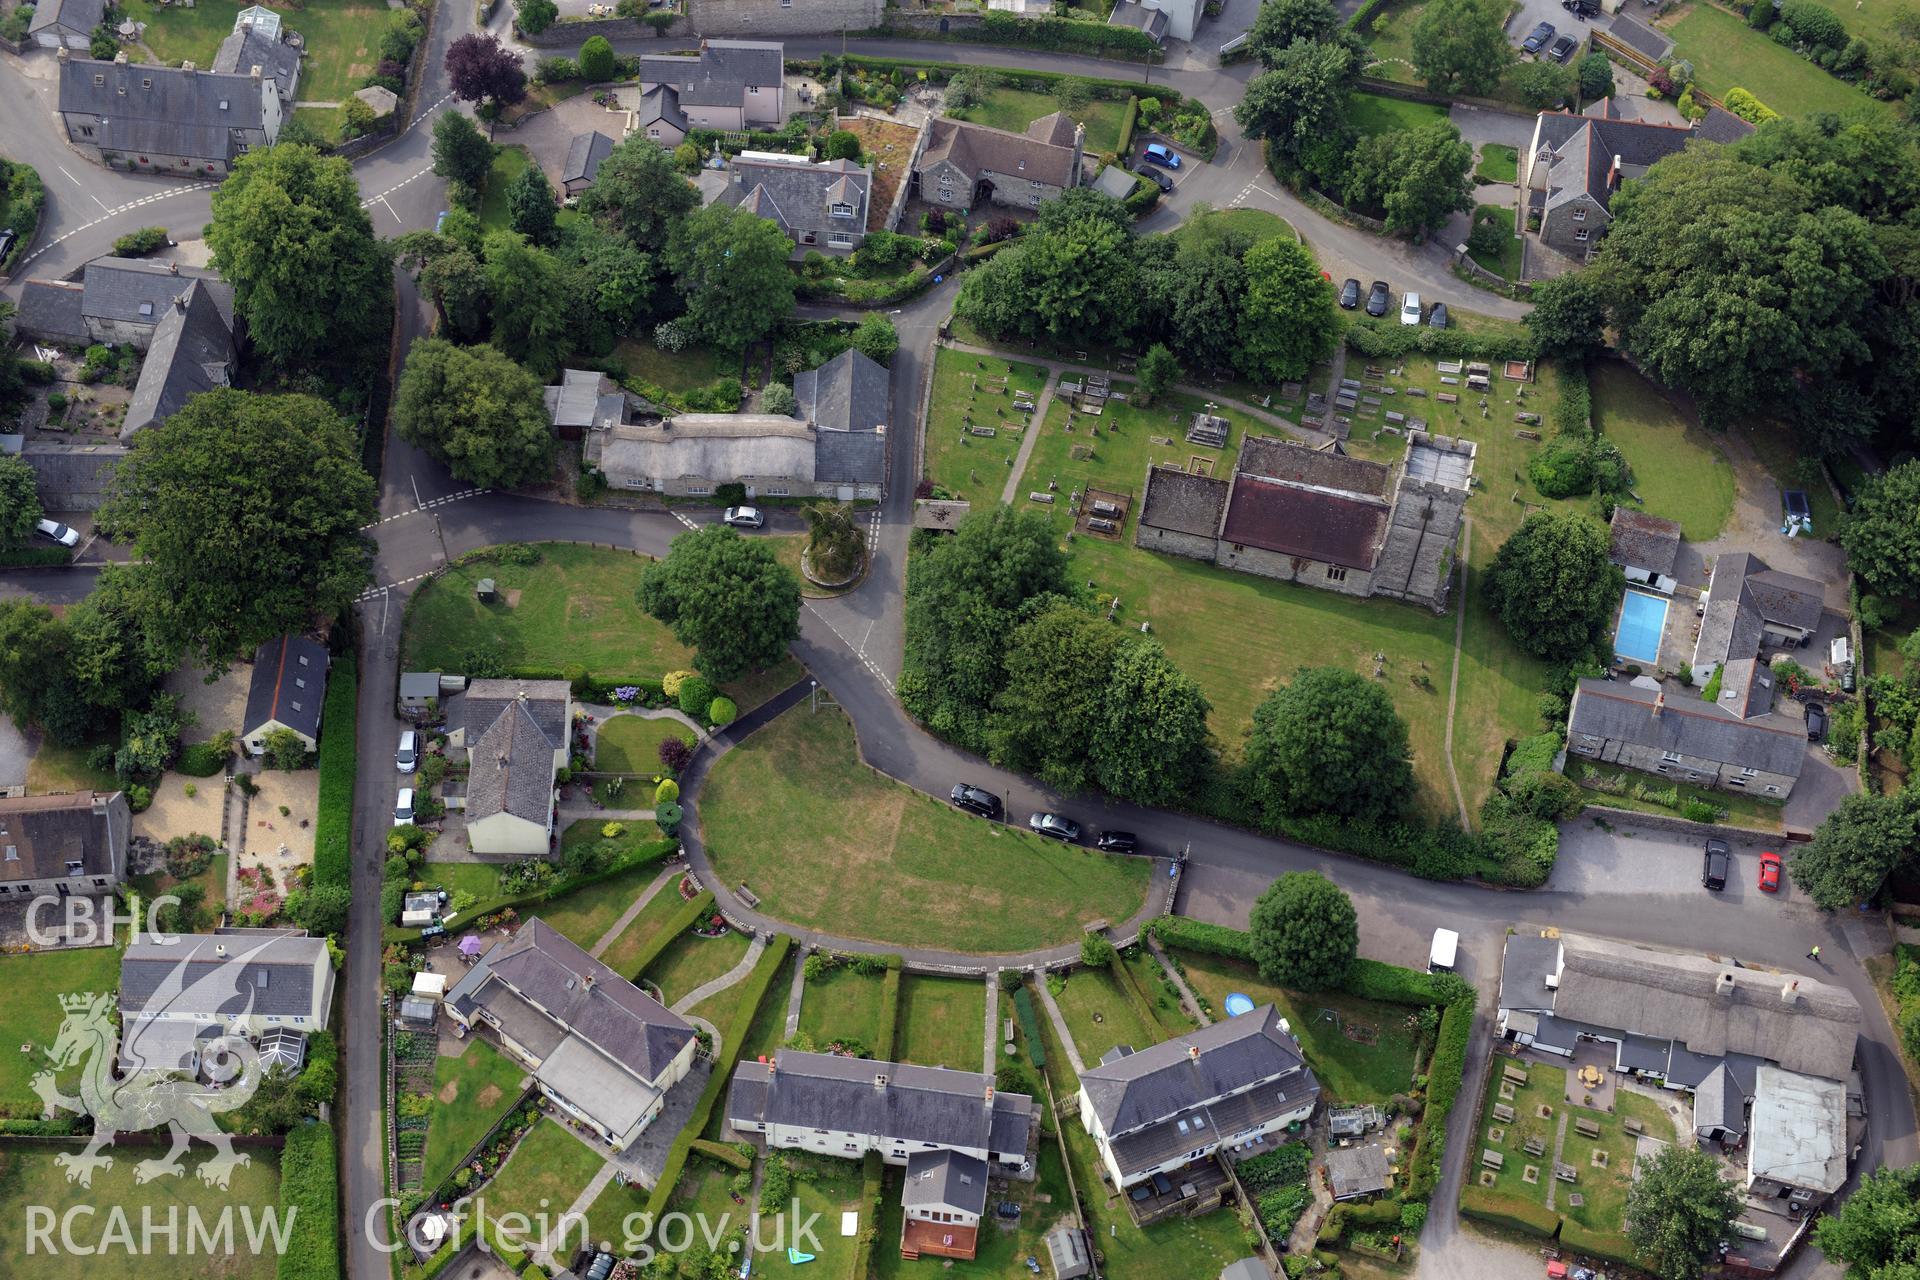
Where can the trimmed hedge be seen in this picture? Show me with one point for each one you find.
(1023, 78)
(1129, 121)
(201, 760)
(1371, 337)
(1511, 1212)
(35, 557)
(691, 913)
(62, 1128)
(27, 195)
(1064, 35)
(1196, 935)
(1444, 1073)
(731, 1035)
(1376, 980)
(889, 1016)
(1029, 1026)
(310, 1205)
(871, 1171)
(727, 1155)
(339, 759)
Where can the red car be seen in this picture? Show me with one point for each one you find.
(1769, 873)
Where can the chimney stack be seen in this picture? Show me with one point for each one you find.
(63, 55)
(1660, 704)
(1723, 987)
(120, 59)
(220, 949)
(1193, 1053)
(255, 73)
(989, 1098)
(879, 1080)
(189, 67)
(180, 302)
(1790, 992)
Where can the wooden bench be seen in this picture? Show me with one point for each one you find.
(1586, 1128)
(1513, 1074)
(1536, 1146)
(1633, 1126)
(1565, 1173)
(1503, 1113)
(1492, 1159)
(1447, 397)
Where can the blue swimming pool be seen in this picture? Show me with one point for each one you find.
(1642, 617)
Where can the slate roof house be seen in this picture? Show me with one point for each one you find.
(965, 165)
(272, 986)
(1135, 14)
(288, 685)
(1574, 165)
(181, 121)
(1320, 517)
(847, 401)
(817, 205)
(695, 453)
(66, 24)
(63, 844)
(728, 84)
(584, 155)
(1736, 743)
(515, 735)
(1750, 606)
(604, 1051)
(258, 40)
(73, 479)
(1646, 548)
(1178, 1103)
(951, 1129)
(584, 399)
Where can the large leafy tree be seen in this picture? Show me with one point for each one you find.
(1073, 283)
(1329, 742)
(461, 153)
(727, 597)
(1882, 532)
(246, 510)
(1194, 295)
(731, 267)
(456, 280)
(476, 411)
(36, 687)
(623, 282)
(1876, 1233)
(1853, 852)
(1288, 321)
(1545, 84)
(1058, 666)
(482, 69)
(530, 207)
(965, 596)
(1151, 745)
(1678, 1210)
(1569, 316)
(1420, 177)
(114, 659)
(531, 305)
(1301, 103)
(1281, 22)
(638, 193)
(1304, 932)
(1552, 584)
(290, 235)
(1460, 46)
(19, 498)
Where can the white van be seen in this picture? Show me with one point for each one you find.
(403, 808)
(1446, 943)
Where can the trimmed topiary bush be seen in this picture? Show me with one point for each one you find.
(722, 711)
(666, 793)
(696, 696)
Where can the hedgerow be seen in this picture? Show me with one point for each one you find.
(339, 759)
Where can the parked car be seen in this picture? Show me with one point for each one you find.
(975, 800)
(407, 758)
(1437, 318)
(1161, 154)
(1410, 308)
(58, 532)
(1350, 293)
(601, 1267)
(1537, 39)
(1563, 48)
(440, 222)
(1157, 178)
(1713, 871)
(1816, 722)
(1117, 842)
(1769, 872)
(403, 808)
(1054, 826)
(743, 517)
(1377, 298)
(1580, 8)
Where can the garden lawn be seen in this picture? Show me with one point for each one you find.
(1498, 163)
(1099, 1016)
(969, 466)
(845, 1007)
(1170, 1018)
(1370, 113)
(1002, 1247)
(1392, 47)
(828, 843)
(342, 39)
(1603, 1191)
(631, 744)
(470, 1095)
(1546, 1086)
(31, 1015)
(1774, 444)
(56, 768)
(1678, 469)
(212, 882)
(625, 950)
(478, 878)
(1506, 263)
(1726, 53)
(29, 1177)
(673, 372)
(324, 121)
(942, 1022)
(575, 606)
(589, 911)
(690, 960)
(1015, 109)
(508, 164)
(1353, 1070)
(546, 1171)
(823, 1189)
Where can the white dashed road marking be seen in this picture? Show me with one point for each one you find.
(681, 516)
(370, 201)
(114, 213)
(856, 650)
(425, 506)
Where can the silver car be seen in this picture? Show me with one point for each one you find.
(743, 517)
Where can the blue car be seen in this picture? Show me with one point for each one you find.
(1160, 154)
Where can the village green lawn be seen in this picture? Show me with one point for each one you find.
(1015, 109)
(543, 1175)
(1353, 1070)
(1099, 1016)
(1257, 223)
(342, 39)
(622, 953)
(942, 1022)
(1726, 53)
(29, 1177)
(1372, 113)
(31, 1015)
(690, 960)
(631, 744)
(574, 607)
(828, 843)
(470, 1094)
(1002, 1247)
(1678, 470)
(965, 465)
(843, 1007)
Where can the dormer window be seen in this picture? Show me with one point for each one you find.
(841, 209)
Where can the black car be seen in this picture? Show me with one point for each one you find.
(1537, 39)
(975, 800)
(1816, 722)
(1377, 298)
(1054, 826)
(1350, 293)
(1158, 179)
(1713, 872)
(1437, 318)
(1580, 8)
(1563, 48)
(1116, 842)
